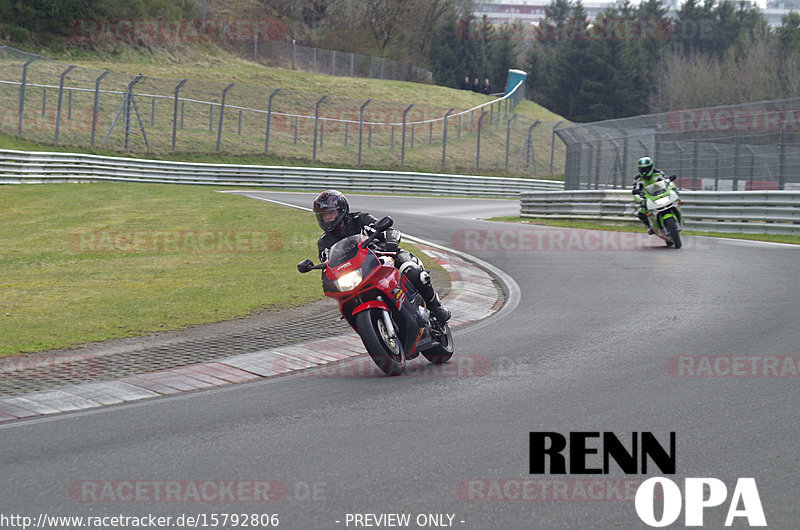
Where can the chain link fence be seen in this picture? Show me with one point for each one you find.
(753, 146)
(332, 62)
(55, 103)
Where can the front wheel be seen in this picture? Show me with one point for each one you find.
(672, 228)
(442, 352)
(386, 350)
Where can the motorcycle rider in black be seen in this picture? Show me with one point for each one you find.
(334, 217)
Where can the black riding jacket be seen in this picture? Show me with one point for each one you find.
(354, 224)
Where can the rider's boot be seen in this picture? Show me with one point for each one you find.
(646, 222)
(439, 312)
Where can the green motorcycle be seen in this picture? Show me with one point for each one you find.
(662, 204)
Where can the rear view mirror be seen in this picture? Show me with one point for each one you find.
(384, 224)
(305, 265)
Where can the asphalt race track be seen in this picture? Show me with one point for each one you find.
(610, 335)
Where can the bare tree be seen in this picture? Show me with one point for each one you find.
(385, 19)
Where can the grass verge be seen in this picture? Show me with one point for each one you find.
(774, 238)
(91, 262)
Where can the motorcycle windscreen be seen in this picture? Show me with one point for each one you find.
(655, 189)
(343, 251)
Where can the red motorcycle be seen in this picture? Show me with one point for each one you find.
(381, 304)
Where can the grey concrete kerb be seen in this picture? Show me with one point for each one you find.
(473, 296)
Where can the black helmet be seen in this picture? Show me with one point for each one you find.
(326, 203)
(645, 166)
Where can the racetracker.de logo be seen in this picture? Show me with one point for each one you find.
(175, 241)
(177, 491)
(739, 119)
(134, 30)
(734, 366)
(548, 490)
(531, 240)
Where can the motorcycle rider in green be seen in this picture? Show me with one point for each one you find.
(648, 175)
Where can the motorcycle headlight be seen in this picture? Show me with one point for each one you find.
(663, 201)
(349, 281)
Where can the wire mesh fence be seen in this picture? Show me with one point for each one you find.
(334, 62)
(55, 103)
(753, 146)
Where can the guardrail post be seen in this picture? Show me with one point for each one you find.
(175, 113)
(430, 133)
(321, 132)
(459, 125)
(316, 120)
(210, 117)
(346, 132)
(444, 135)
(478, 150)
(296, 127)
(392, 141)
(95, 108)
(222, 114)
(269, 119)
(22, 92)
(403, 141)
(413, 130)
(239, 130)
(508, 136)
(152, 112)
(44, 101)
(60, 98)
(361, 128)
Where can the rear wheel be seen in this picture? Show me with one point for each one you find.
(444, 350)
(386, 350)
(674, 234)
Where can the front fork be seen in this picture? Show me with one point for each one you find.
(387, 321)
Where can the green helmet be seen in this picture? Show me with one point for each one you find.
(645, 167)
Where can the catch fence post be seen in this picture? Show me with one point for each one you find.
(95, 109)
(316, 120)
(222, 114)
(361, 128)
(60, 98)
(175, 112)
(269, 119)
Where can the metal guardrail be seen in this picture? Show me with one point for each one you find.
(765, 212)
(40, 167)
